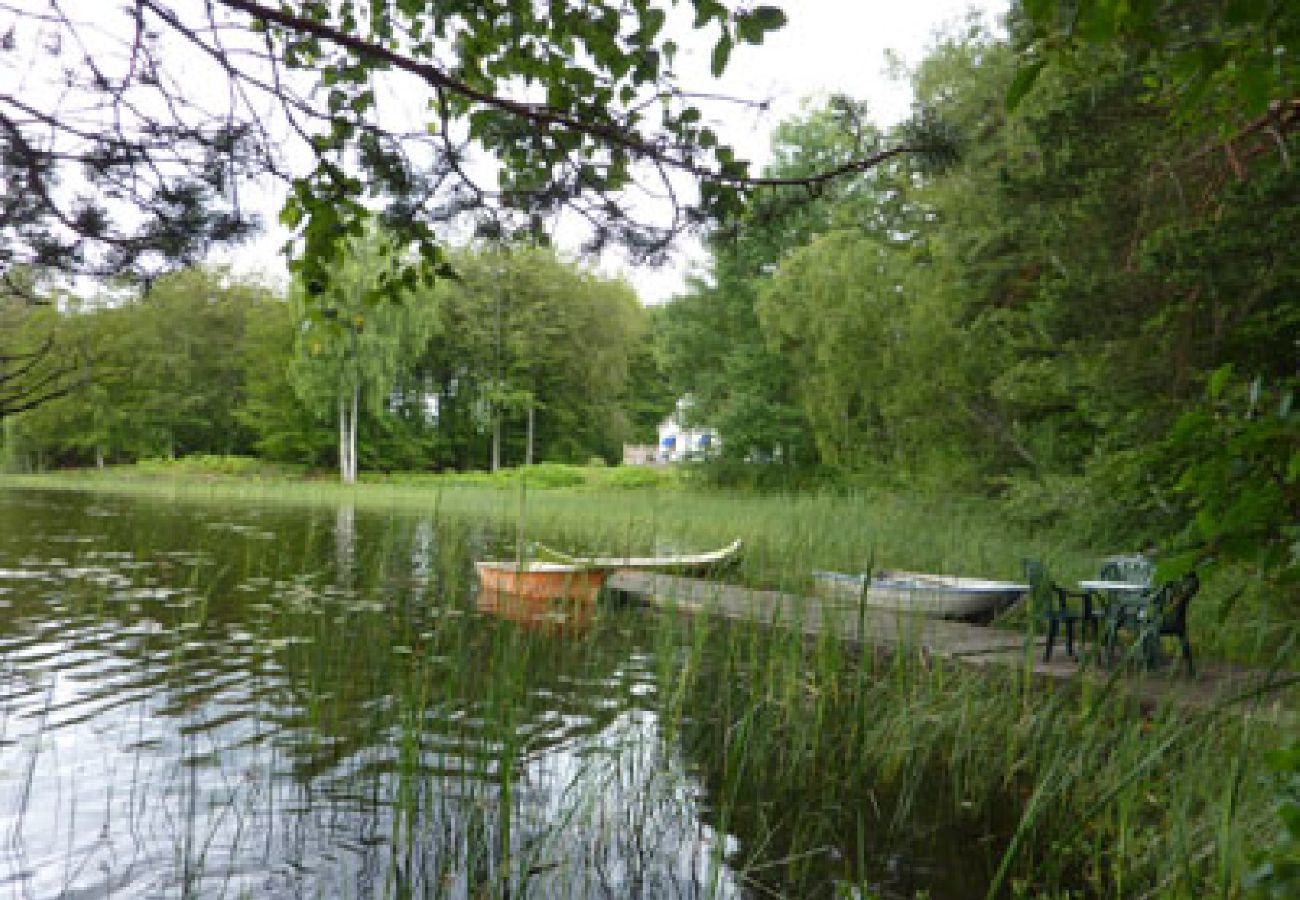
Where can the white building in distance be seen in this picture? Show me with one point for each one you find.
(678, 443)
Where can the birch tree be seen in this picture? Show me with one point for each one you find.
(351, 350)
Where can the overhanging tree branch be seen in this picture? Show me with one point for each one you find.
(129, 171)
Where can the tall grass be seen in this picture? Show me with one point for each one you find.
(801, 767)
(1060, 792)
(786, 535)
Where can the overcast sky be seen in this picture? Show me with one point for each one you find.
(827, 46)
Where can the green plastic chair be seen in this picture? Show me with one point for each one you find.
(1160, 612)
(1132, 567)
(1050, 603)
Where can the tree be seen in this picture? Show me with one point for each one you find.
(38, 362)
(649, 397)
(1231, 62)
(1101, 266)
(534, 358)
(833, 310)
(182, 371)
(283, 428)
(161, 373)
(574, 99)
(350, 352)
(717, 347)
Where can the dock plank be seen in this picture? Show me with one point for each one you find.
(976, 645)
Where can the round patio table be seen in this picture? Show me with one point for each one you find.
(1114, 587)
(1111, 591)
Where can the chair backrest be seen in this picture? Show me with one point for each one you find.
(1133, 568)
(1178, 598)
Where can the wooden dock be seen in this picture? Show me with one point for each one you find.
(975, 645)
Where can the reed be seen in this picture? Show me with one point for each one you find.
(1062, 793)
(786, 535)
(487, 759)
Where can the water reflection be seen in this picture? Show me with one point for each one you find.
(227, 702)
(212, 702)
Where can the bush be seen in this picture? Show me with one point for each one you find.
(205, 464)
(639, 477)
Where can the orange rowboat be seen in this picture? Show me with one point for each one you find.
(541, 580)
(548, 613)
(580, 579)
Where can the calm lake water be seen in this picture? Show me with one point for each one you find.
(200, 700)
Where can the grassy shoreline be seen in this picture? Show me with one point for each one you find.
(638, 511)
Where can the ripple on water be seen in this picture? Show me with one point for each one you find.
(184, 720)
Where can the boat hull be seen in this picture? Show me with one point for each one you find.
(683, 562)
(541, 581)
(547, 613)
(916, 593)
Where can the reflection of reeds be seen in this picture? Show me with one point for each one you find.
(344, 723)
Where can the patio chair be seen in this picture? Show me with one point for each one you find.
(1132, 567)
(1160, 612)
(1050, 603)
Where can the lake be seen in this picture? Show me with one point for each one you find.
(270, 701)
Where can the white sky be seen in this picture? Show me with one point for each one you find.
(827, 46)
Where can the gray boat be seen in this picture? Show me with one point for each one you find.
(918, 593)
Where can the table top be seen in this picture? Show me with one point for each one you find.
(1134, 587)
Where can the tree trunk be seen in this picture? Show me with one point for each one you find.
(496, 439)
(348, 436)
(528, 458)
(352, 435)
(343, 439)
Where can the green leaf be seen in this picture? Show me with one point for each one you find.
(1219, 380)
(708, 9)
(291, 214)
(770, 17)
(652, 22)
(1023, 83)
(721, 54)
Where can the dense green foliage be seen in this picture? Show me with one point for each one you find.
(1225, 58)
(204, 364)
(1040, 321)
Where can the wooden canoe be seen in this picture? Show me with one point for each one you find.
(681, 562)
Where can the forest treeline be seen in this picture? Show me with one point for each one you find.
(1093, 311)
(208, 363)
